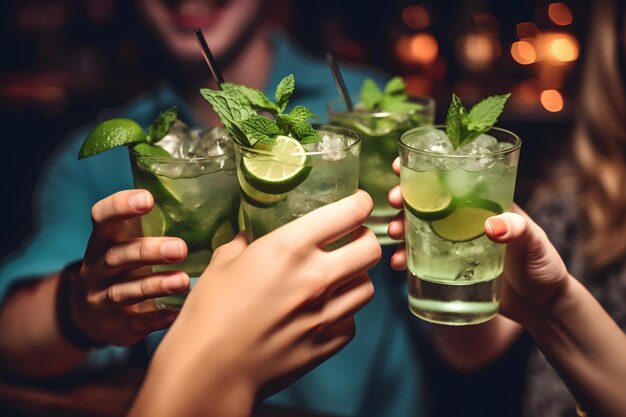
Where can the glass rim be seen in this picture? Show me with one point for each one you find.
(172, 159)
(430, 104)
(319, 127)
(516, 145)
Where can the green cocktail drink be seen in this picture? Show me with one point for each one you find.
(380, 131)
(288, 179)
(448, 193)
(196, 198)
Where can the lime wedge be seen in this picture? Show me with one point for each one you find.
(109, 134)
(255, 197)
(279, 173)
(222, 235)
(425, 196)
(466, 223)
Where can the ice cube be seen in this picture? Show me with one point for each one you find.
(333, 146)
(479, 146)
(500, 147)
(432, 140)
(179, 140)
(213, 141)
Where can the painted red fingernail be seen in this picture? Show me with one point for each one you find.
(498, 227)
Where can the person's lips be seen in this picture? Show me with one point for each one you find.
(189, 18)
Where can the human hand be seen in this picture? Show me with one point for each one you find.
(267, 312)
(534, 273)
(111, 299)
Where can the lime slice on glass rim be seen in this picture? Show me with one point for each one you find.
(256, 198)
(466, 222)
(279, 173)
(425, 196)
(109, 134)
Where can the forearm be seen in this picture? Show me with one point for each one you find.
(587, 347)
(186, 384)
(467, 348)
(31, 344)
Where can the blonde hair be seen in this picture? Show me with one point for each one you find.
(599, 142)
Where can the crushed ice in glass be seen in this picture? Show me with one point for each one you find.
(190, 148)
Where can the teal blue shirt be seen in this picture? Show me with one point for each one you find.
(377, 374)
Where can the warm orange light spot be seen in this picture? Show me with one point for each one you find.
(477, 50)
(523, 52)
(420, 49)
(526, 30)
(552, 100)
(416, 17)
(564, 49)
(560, 14)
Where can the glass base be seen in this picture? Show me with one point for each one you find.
(175, 302)
(454, 305)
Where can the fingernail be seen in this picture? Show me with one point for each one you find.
(172, 250)
(498, 227)
(173, 283)
(139, 201)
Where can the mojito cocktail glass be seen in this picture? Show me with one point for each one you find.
(195, 198)
(313, 176)
(380, 131)
(453, 268)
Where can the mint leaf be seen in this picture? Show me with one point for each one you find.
(284, 90)
(484, 114)
(454, 123)
(370, 94)
(295, 124)
(231, 110)
(398, 103)
(305, 133)
(256, 98)
(260, 129)
(161, 125)
(395, 86)
(463, 126)
(144, 148)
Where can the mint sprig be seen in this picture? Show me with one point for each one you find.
(237, 106)
(393, 98)
(463, 126)
(161, 125)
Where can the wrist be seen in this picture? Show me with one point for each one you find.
(557, 309)
(218, 389)
(66, 307)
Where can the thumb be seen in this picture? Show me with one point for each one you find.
(533, 267)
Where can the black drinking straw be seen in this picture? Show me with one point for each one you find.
(210, 60)
(341, 85)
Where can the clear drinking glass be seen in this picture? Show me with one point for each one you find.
(196, 199)
(453, 268)
(324, 173)
(380, 132)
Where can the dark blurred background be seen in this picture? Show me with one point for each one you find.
(65, 61)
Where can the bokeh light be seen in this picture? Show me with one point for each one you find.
(416, 17)
(564, 49)
(523, 52)
(560, 14)
(421, 48)
(552, 100)
(477, 51)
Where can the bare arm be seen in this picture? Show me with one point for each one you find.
(586, 347)
(30, 334)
